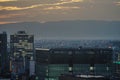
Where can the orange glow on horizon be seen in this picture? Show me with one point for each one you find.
(7, 22)
(7, 0)
(10, 15)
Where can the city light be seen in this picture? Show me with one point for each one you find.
(117, 62)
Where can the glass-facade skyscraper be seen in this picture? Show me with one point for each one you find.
(52, 63)
(3, 53)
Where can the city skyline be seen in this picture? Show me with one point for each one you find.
(47, 39)
(13, 11)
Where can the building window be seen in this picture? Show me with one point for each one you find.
(47, 70)
(46, 74)
(15, 44)
(77, 52)
(26, 41)
(91, 68)
(70, 68)
(15, 53)
(107, 68)
(20, 41)
(56, 52)
(118, 56)
(70, 52)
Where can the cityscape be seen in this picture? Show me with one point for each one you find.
(59, 39)
(23, 58)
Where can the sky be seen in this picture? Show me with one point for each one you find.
(13, 11)
(44, 11)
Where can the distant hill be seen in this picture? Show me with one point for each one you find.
(67, 29)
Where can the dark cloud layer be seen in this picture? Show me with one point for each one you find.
(58, 10)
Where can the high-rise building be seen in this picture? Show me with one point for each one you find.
(3, 53)
(22, 52)
(41, 69)
(50, 64)
(117, 61)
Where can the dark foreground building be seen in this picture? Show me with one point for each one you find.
(51, 64)
(42, 56)
(3, 53)
(82, 77)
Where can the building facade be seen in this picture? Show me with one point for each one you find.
(22, 52)
(117, 60)
(41, 67)
(82, 61)
(82, 77)
(3, 53)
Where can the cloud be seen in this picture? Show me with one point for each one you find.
(117, 3)
(61, 8)
(57, 10)
(7, 0)
(7, 22)
(10, 8)
(10, 15)
(15, 8)
(68, 1)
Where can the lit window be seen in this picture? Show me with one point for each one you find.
(107, 68)
(70, 68)
(15, 53)
(70, 52)
(46, 70)
(26, 40)
(91, 68)
(20, 50)
(30, 46)
(20, 41)
(23, 51)
(15, 44)
(31, 58)
(29, 53)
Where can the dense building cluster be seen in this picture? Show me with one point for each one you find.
(18, 61)
(52, 63)
(46, 43)
(23, 58)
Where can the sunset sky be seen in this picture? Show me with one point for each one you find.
(12, 11)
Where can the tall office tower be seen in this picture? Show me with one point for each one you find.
(117, 61)
(3, 53)
(22, 52)
(42, 63)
